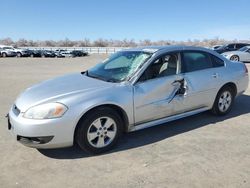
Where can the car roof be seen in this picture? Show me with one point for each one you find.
(154, 49)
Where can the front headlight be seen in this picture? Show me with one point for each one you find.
(46, 111)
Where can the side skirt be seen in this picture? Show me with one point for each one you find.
(167, 119)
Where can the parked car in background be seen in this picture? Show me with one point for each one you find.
(230, 47)
(79, 53)
(132, 90)
(48, 53)
(216, 47)
(20, 52)
(7, 52)
(35, 53)
(70, 53)
(242, 54)
(42, 53)
(67, 54)
(59, 52)
(63, 53)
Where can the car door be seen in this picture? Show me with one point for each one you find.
(243, 56)
(155, 90)
(247, 55)
(204, 76)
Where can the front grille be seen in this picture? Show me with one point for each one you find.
(16, 110)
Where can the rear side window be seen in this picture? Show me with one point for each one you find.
(217, 62)
(194, 61)
(238, 46)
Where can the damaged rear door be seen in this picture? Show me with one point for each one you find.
(202, 78)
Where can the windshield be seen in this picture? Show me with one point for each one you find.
(243, 49)
(119, 66)
(222, 47)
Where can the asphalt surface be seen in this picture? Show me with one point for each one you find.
(198, 151)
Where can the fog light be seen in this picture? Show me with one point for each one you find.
(34, 140)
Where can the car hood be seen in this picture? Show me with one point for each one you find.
(54, 89)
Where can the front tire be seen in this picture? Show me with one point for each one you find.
(224, 101)
(99, 130)
(235, 58)
(4, 54)
(19, 54)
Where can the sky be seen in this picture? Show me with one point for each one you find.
(119, 19)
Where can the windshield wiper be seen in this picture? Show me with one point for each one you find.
(111, 80)
(96, 77)
(99, 78)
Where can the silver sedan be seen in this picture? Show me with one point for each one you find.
(131, 90)
(242, 54)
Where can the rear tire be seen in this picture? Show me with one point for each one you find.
(4, 54)
(99, 130)
(224, 101)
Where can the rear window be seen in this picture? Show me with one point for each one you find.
(195, 61)
(217, 62)
(238, 46)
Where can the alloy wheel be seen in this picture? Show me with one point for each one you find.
(234, 58)
(225, 101)
(102, 132)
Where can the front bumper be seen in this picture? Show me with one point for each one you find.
(48, 133)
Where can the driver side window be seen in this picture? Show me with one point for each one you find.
(231, 46)
(165, 65)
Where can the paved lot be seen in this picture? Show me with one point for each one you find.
(198, 151)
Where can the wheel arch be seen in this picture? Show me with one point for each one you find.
(232, 85)
(235, 55)
(117, 108)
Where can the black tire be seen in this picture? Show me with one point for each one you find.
(19, 54)
(32, 55)
(87, 121)
(235, 58)
(218, 105)
(4, 54)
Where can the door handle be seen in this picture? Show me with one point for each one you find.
(215, 75)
